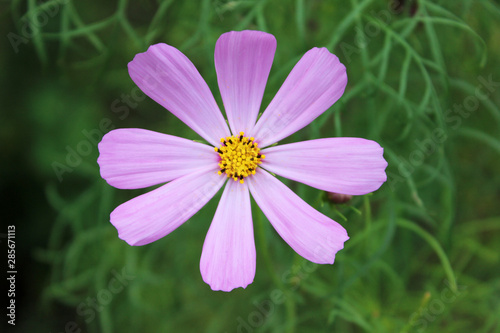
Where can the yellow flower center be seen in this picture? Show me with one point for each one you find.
(239, 157)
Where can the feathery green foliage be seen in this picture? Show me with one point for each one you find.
(423, 254)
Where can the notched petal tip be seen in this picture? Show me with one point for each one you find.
(151, 49)
(227, 287)
(248, 34)
(243, 60)
(130, 241)
(132, 158)
(311, 234)
(168, 77)
(351, 166)
(153, 215)
(315, 83)
(336, 245)
(339, 66)
(228, 258)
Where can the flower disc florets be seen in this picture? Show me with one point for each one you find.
(239, 156)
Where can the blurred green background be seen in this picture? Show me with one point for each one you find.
(424, 82)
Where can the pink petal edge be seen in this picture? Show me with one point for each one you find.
(342, 165)
(170, 78)
(311, 234)
(228, 258)
(133, 158)
(315, 83)
(243, 60)
(155, 214)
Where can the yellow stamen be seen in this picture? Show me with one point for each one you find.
(239, 157)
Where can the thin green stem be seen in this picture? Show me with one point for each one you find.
(435, 245)
(289, 301)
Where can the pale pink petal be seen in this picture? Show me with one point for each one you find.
(228, 257)
(243, 60)
(341, 165)
(155, 214)
(170, 78)
(311, 234)
(132, 158)
(314, 84)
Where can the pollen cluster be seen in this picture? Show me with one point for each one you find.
(239, 157)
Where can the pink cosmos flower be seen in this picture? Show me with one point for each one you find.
(240, 157)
